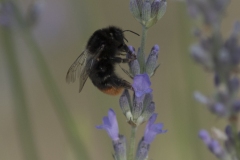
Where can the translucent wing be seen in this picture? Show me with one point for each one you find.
(82, 66)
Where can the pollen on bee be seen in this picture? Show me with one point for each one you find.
(112, 91)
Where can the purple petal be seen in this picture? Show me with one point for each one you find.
(157, 128)
(141, 84)
(152, 119)
(113, 119)
(110, 125)
(106, 122)
(152, 129)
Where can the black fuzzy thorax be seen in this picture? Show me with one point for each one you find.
(111, 38)
(103, 72)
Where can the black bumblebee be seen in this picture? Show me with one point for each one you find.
(98, 61)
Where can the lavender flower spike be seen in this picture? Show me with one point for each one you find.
(212, 144)
(141, 85)
(152, 129)
(110, 124)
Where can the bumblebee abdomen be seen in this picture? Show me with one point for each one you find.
(111, 91)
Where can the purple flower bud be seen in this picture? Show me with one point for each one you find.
(110, 124)
(200, 97)
(155, 7)
(216, 148)
(199, 55)
(219, 109)
(134, 65)
(151, 64)
(236, 106)
(147, 99)
(142, 151)
(137, 106)
(212, 144)
(152, 129)
(146, 11)
(141, 85)
(135, 10)
(204, 135)
(125, 101)
(125, 104)
(162, 9)
(147, 113)
(120, 148)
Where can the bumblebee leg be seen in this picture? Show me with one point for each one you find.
(121, 54)
(121, 60)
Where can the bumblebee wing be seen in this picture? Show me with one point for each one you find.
(76, 67)
(82, 66)
(91, 59)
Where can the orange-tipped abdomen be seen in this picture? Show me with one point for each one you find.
(112, 91)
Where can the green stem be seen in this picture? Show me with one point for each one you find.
(132, 143)
(65, 117)
(141, 54)
(21, 108)
(234, 125)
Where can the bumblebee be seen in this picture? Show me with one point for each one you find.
(98, 60)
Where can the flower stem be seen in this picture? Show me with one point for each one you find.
(21, 109)
(132, 143)
(234, 123)
(65, 117)
(141, 54)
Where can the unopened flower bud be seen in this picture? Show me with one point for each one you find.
(200, 97)
(146, 11)
(219, 109)
(155, 7)
(147, 113)
(148, 109)
(120, 148)
(134, 8)
(125, 104)
(142, 151)
(162, 9)
(151, 64)
(134, 64)
(137, 107)
(199, 55)
(147, 99)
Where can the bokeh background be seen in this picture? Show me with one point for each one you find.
(61, 32)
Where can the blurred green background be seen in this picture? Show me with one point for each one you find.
(62, 33)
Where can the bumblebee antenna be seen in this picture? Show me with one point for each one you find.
(132, 32)
(125, 39)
